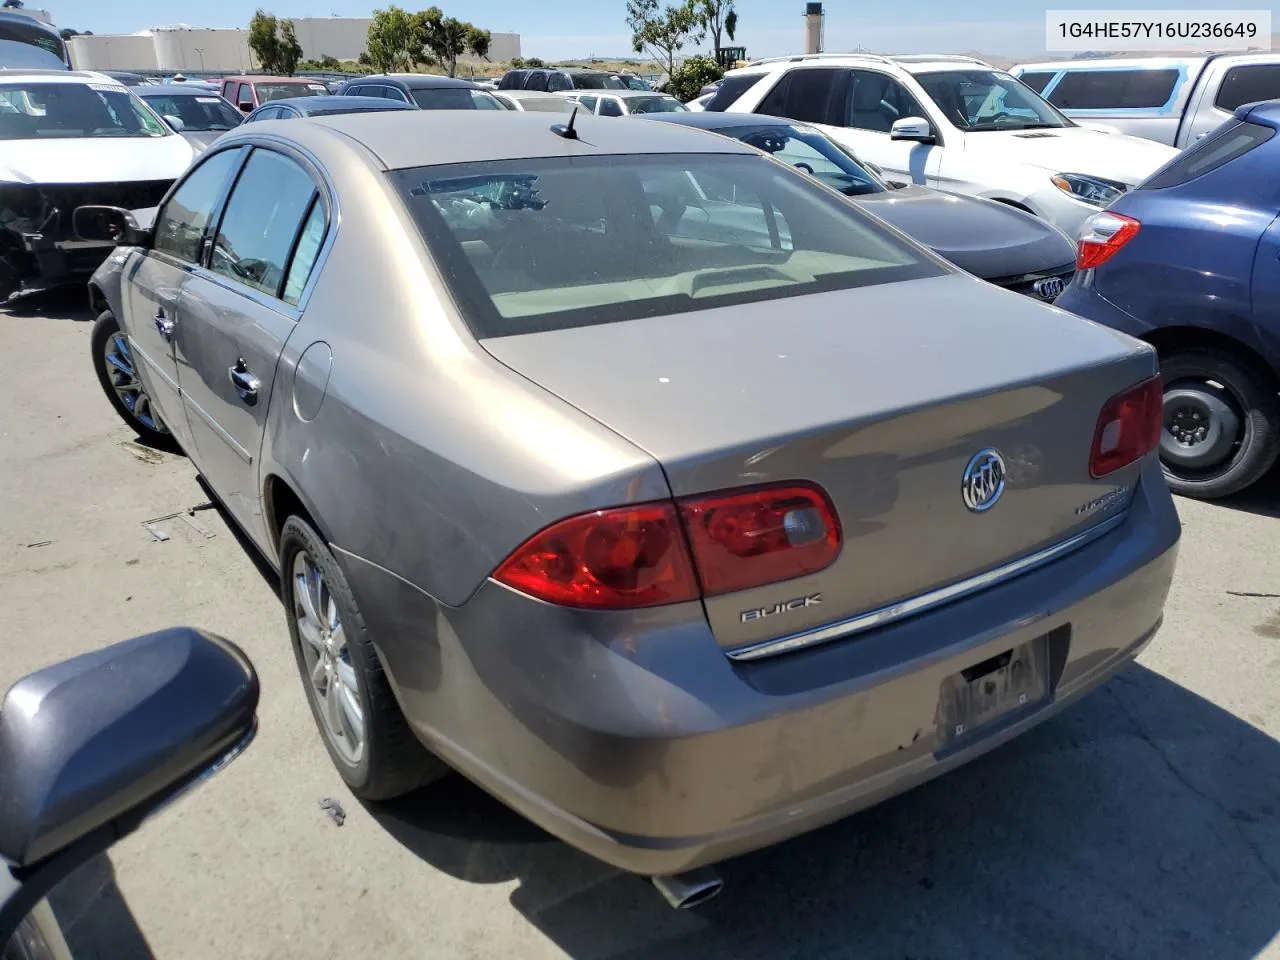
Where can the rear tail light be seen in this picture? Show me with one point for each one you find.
(745, 539)
(1128, 428)
(1104, 234)
(639, 557)
(606, 560)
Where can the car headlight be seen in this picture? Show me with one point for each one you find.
(1089, 189)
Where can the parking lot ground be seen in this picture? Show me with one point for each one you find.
(1145, 822)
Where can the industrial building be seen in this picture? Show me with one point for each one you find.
(188, 49)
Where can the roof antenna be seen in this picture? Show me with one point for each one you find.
(566, 129)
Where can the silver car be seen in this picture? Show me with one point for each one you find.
(679, 544)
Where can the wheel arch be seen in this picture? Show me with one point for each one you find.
(97, 299)
(1187, 337)
(281, 499)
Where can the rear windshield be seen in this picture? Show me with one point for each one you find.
(534, 245)
(1229, 142)
(455, 98)
(597, 81)
(282, 91)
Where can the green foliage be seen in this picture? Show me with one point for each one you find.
(442, 40)
(392, 43)
(662, 33)
(692, 75)
(517, 63)
(718, 18)
(274, 43)
(534, 63)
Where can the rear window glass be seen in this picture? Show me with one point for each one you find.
(283, 91)
(1036, 81)
(597, 81)
(544, 244)
(1113, 89)
(1229, 142)
(730, 89)
(1249, 84)
(455, 98)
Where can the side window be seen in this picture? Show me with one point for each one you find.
(1248, 84)
(810, 95)
(181, 223)
(395, 93)
(228, 89)
(1037, 81)
(1229, 142)
(610, 107)
(360, 90)
(588, 103)
(304, 256)
(1114, 89)
(536, 80)
(266, 113)
(244, 95)
(902, 103)
(877, 101)
(731, 88)
(267, 205)
(557, 82)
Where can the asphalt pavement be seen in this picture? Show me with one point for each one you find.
(1144, 822)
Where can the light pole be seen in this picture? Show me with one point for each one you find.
(200, 53)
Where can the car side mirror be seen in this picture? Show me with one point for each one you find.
(175, 122)
(912, 128)
(246, 106)
(109, 225)
(91, 746)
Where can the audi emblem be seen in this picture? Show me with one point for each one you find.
(1049, 288)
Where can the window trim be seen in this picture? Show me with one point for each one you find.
(333, 222)
(215, 215)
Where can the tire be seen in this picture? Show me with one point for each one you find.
(149, 427)
(1197, 382)
(390, 760)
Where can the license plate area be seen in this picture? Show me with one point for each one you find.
(993, 692)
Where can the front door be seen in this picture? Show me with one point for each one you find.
(153, 281)
(876, 100)
(237, 315)
(1227, 84)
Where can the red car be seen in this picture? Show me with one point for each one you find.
(250, 92)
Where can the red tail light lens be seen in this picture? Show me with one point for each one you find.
(745, 539)
(1128, 428)
(1104, 234)
(607, 560)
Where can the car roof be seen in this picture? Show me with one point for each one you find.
(624, 94)
(58, 76)
(333, 102)
(909, 63)
(1114, 63)
(173, 90)
(428, 137)
(417, 81)
(711, 120)
(1267, 112)
(262, 77)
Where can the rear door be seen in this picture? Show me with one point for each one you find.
(238, 313)
(152, 291)
(1227, 84)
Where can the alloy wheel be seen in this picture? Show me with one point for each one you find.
(128, 387)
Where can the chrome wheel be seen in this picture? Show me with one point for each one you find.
(330, 674)
(118, 360)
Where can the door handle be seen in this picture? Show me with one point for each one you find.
(163, 324)
(246, 384)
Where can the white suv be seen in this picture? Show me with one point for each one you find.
(954, 123)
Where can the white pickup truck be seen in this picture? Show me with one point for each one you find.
(1174, 100)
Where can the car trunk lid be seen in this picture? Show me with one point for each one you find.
(880, 395)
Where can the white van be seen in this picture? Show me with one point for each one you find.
(1173, 100)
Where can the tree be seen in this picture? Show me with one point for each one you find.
(663, 33)
(444, 39)
(534, 63)
(478, 42)
(517, 63)
(274, 43)
(391, 41)
(328, 62)
(692, 75)
(718, 18)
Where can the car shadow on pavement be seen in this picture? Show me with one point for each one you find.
(94, 917)
(1143, 822)
(69, 303)
(1262, 499)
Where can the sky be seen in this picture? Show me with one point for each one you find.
(563, 29)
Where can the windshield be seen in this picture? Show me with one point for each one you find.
(38, 111)
(282, 91)
(656, 105)
(27, 44)
(597, 81)
(809, 151)
(634, 83)
(544, 244)
(977, 100)
(198, 112)
(455, 98)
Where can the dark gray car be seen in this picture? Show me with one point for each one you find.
(201, 116)
(681, 543)
(994, 241)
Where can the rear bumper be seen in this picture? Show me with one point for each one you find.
(1082, 298)
(636, 740)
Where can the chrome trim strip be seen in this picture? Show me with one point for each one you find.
(926, 601)
(152, 365)
(217, 428)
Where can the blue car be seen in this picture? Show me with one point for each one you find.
(295, 108)
(1190, 262)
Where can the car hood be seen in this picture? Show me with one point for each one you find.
(1114, 156)
(109, 160)
(986, 238)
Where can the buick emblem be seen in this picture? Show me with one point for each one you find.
(983, 480)
(1049, 287)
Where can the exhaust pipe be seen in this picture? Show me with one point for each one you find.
(686, 890)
